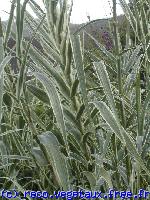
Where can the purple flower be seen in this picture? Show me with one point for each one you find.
(107, 40)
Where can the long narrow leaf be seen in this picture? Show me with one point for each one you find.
(55, 102)
(124, 137)
(104, 79)
(58, 161)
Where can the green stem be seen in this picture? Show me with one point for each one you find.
(118, 65)
(138, 102)
(115, 163)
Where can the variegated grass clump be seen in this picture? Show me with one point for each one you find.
(81, 121)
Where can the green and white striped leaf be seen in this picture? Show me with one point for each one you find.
(91, 178)
(110, 119)
(78, 60)
(4, 63)
(104, 79)
(106, 175)
(124, 137)
(38, 154)
(42, 63)
(57, 159)
(133, 58)
(1, 75)
(132, 76)
(39, 93)
(54, 100)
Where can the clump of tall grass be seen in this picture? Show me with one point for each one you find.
(81, 121)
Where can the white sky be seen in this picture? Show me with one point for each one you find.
(95, 8)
